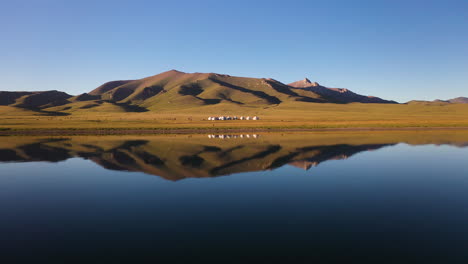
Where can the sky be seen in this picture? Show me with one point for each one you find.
(394, 49)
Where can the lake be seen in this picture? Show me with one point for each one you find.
(323, 197)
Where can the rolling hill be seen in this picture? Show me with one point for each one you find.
(458, 100)
(34, 100)
(174, 90)
(178, 89)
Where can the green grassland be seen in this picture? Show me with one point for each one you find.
(292, 115)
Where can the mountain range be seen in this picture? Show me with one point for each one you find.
(337, 95)
(175, 89)
(458, 100)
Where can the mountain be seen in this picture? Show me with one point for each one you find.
(337, 95)
(194, 89)
(34, 100)
(174, 89)
(306, 83)
(458, 100)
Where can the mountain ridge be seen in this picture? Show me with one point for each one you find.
(175, 89)
(341, 95)
(457, 100)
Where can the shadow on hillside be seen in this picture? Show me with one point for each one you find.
(43, 112)
(190, 89)
(131, 108)
(285, 90)
(53, 113)
(195, 89)
(269, 98)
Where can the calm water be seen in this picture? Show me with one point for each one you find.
(262, 199)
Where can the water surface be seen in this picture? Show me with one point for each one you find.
(317, 197)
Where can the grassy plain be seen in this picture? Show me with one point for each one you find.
(294, 115)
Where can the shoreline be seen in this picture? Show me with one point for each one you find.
(156, 131)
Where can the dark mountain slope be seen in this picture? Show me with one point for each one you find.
(9, 98)
(108, 86)
(337, 95)
(34, 100)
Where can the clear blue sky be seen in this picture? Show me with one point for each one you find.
(394, 49)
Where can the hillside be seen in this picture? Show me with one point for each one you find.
(458, 100)
(34, 100)
(175, 89)
(337, 95)
(178, 90)
(195, 89)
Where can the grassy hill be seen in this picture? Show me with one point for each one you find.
(458, 100)
(173, 90)
(34, 100)
(177, 100)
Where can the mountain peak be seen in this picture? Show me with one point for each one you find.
(175, 71)
(304, 83)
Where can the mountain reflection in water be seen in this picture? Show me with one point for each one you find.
(389, 202)
(180, 157)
